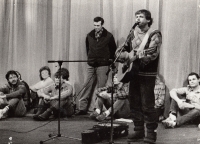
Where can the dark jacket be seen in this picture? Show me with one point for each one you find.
(99, 52)
(14, 91)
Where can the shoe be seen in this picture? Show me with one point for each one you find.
(170, 118)
(169, 123)
(40, 111)
(2, 114)
(136, 136)
(36, 117)
(81, 112)
(101, 117)
(45, 115)
(173, 117)
(151, 137)
(93, 115)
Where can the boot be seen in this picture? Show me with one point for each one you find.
(151, 137)
(41, 110)
(138, 133)
(45, 115)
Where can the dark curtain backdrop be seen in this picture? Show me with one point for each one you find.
(35, 31)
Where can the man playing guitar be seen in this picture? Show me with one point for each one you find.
(141, 49)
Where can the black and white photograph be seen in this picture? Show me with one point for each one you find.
(100, 71)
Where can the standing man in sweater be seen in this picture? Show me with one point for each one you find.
(101, 47)
(145, 44)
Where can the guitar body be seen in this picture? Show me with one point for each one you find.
(124, 68)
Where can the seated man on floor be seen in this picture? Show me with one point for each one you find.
(120, 98)
(27, 97)
(50, 97)
(11, 94)
(186, 108)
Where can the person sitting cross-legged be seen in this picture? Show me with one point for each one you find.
(11, 94)
(184, 109)
(120, 102)
(45, 81)
(50, 97)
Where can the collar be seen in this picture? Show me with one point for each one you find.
(142, 32)
(192, 89)
(104, 33)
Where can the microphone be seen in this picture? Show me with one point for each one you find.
(137, 23)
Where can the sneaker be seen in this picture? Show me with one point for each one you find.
(170, 118)
(173, 117)
(2, 114)
(5, 115)
(169, 123)
(101, 117)
(93, 115)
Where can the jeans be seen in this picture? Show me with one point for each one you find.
(142, 101)
(185, 115)
(52, 103)
(93, 73)
(16, 106)
(120, 106)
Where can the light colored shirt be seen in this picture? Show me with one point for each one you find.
(53, 90)
(191, 95)
(42, 84)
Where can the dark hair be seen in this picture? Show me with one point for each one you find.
(63, 72)
(19, 75)
(147, 15)
(191, 74)
(9, 73)
(97, 19)
(44, 68)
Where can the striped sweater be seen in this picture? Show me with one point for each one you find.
(147, 66)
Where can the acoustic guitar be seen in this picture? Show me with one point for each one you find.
(125, 67)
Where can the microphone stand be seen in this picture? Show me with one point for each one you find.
(112, 91)
(59, 134)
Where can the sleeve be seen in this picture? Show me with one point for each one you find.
(87, 45)
(47, 90)
(159, 92)
(112, 47)
(153, 50)
(18, 93)
(67, 91)
(42, 84)
(4, 89)
(99, 90)
(180, 91)
(122, 93)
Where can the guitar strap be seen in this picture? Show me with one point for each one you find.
(144, 42)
